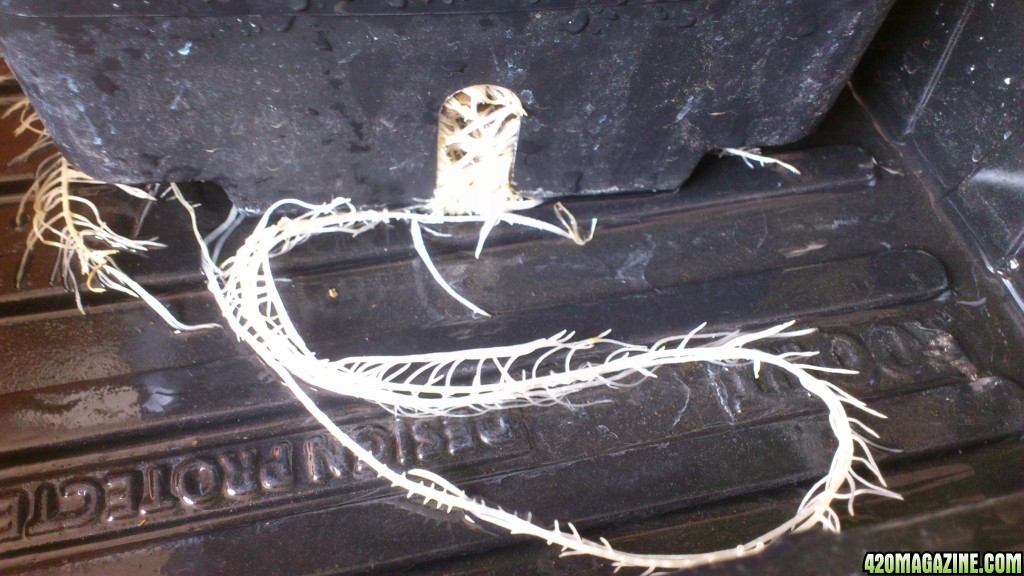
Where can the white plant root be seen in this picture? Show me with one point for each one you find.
(753, 155)
(72, 224)
(542, 372)
(28, 121)
(477, 136)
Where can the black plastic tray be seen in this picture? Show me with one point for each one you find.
(898, 249)
(123, 416)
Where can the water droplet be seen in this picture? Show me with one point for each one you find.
(298, 5)
(977, 154)
(804, 27)
(453, 66)
(571, 180)
(186, 49)
(685, 21)
(322, 43)
(528, 147)
(104, 83)
(280, 23)
(574, 24)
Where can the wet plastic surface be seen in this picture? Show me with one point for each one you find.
(128, 449)
(946, 84)
(319, 99)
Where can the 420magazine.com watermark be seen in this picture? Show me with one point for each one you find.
(943, 562)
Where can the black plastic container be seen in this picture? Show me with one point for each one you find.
(320, 99)
(127, 449)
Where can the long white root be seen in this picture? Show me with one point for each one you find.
(541, 372)
(753, 155)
